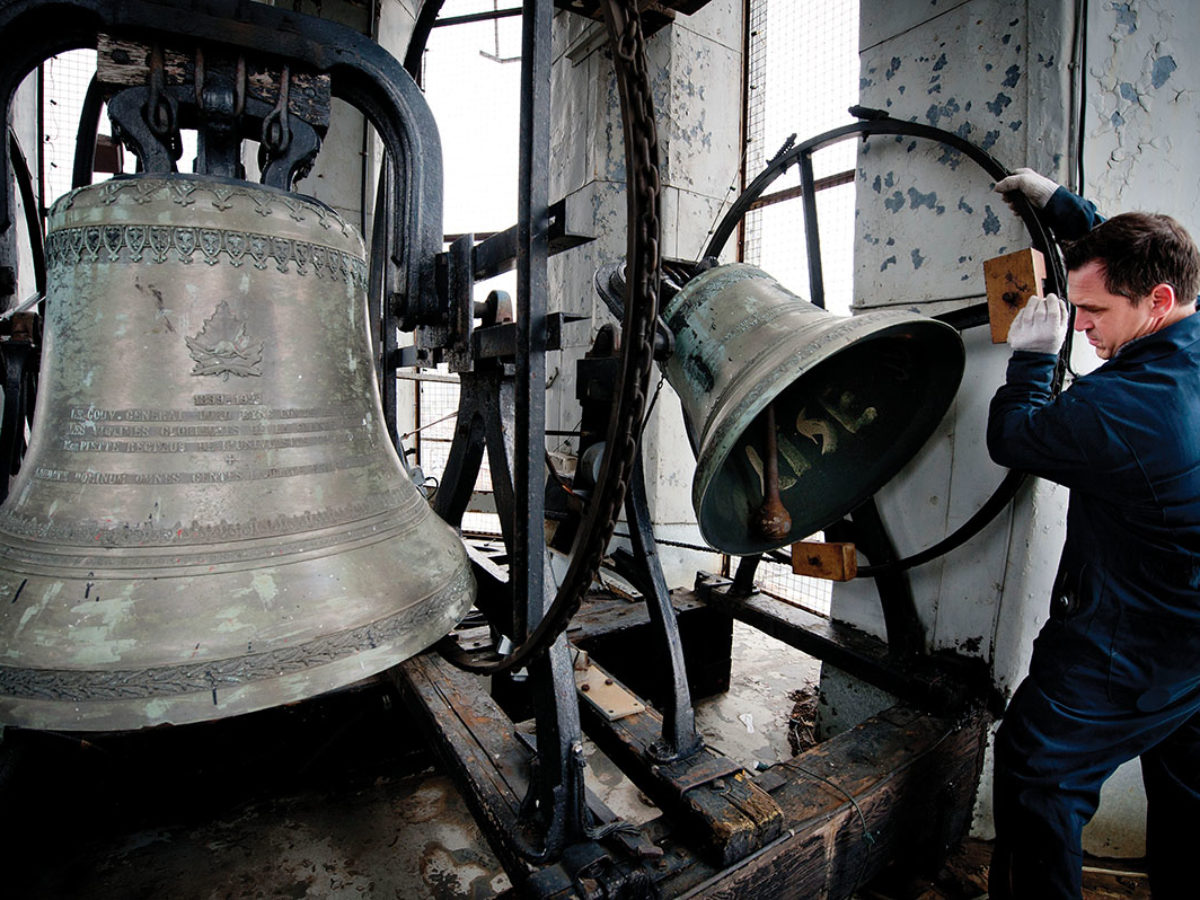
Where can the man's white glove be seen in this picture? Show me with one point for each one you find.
(1038, 189)
(1040, 326)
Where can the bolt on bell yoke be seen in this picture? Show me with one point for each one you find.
(852, 398)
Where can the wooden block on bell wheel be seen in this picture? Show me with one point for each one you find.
(1011, 280)
(820, 559)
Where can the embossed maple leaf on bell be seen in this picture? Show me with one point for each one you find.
(222, 347)
(210, 518)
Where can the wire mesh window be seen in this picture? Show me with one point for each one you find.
(431, 436)
(802, 77)
(65, 81)
(778, 580)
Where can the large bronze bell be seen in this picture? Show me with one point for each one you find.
(852, 398)
(210, 518)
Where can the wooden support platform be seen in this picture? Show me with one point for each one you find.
(616, 632)
(899, 786)
(151, 813)
(477, 743)
(480, 747)
(937, 683)
(710, 799)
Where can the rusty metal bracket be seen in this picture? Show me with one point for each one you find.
(695, 772)
(610, 699)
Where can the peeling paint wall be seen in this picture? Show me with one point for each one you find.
(695, 67)
(1141, 119)
(997, 73)
(926, 220)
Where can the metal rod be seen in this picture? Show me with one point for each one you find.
(812, 233)
(558, 786)
(821, 184)
(530, 400)
(772, 520)
(478, 17)
(679, 737)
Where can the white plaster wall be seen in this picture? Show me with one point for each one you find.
(394, 25)
(926, 220)
(25, 126)
(996, 72)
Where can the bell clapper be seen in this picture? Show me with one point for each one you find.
(772, 521)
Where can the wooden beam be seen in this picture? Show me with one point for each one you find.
(1011, 280)
(829, 560)
(713, 802)
(900, 786)
(124, 63)
(618, 635)
(477, 743)
(936, 683)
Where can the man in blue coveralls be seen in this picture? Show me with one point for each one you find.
(1115, 672)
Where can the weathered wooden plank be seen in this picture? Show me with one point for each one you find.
(935, 682)
(477, 743)
(830, 560)
(900, 786)
(490, 763)
(713, 802)
(123, 63)
(618, 634)
(1010, 281)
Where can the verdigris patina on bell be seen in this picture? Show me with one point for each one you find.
(210, 518)
(852, 399)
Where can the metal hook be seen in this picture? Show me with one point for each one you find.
(276, 131)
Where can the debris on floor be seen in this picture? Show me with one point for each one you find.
(802, 724)
(963, 876)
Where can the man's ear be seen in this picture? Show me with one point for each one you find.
(1162, 299)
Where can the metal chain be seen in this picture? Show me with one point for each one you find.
(643, 267)
(160, 112)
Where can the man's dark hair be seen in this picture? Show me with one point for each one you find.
(1139, 250)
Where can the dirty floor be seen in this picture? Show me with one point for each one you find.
(312, 805)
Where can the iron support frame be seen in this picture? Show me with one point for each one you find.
(679, 737)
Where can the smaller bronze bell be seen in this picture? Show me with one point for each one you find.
(854, 398)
